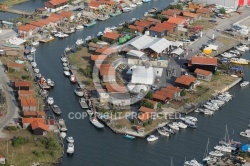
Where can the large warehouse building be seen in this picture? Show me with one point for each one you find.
(227, 3)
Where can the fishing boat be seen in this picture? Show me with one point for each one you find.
(65, 68)
(90, 23)
(63, 135)
(73, 78)
(116, 13)
(78, 27)
(56, 109)
(239, 61)
(83, 103)
(139, 3)
(50, 82)
(146, 1)
(163, 132)
(70, 148)
(70, 139)
(95, 122)
(30, 58)
(192, 163)
(99, 34)
(245, 133)
(33, 64)
(62, 125)
(216, 153)
(61, 36)
(102, 17)
(67, 49)
(244, 83)
(152, 138)
(126, 9)
(35, 43)
(66, 73)
(129, 136)
(133, 5)
(36, 70)
(181, 125)
(50, 100)
(79, 42)
(79, 91)
(153, 10)
(206, 156)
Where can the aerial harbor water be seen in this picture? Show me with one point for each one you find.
(95, 147)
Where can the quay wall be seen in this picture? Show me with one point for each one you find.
(230, 86)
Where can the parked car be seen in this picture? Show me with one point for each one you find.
(213, 21)
(78, 9)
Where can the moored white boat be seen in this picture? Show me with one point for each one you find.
(50, 82)
(79, 91)
(32, 50)
(152, 138)
(62, 125)
(181, 125)
(35, 43)
(79, 42)
(73, 78)
(126, 9)
(133, 5)
(192, 163)
(245, 134)
(33, 64)
(65, 64)
(163, 132)
(90, 113)
(36, 70)
(62, 36)
(216, 153)
(96, 123)
(63, 135)
(65, 68)
(174, 127)
(50, 100)
(78, 27)
(223, 149)
(66, 73)
(102, 43)
(244, 83)
(70, 139)
(70, 148)
(83, 103)
(139, 3)
(30, 58)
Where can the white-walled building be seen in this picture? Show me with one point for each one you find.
(227, 3)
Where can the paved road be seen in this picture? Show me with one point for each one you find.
(12, 112)
(222, 24)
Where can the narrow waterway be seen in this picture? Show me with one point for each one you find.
(102, 148)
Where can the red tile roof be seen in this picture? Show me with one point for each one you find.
(159, 97)
(105, 50)
(202, 72)
(166, 25)
(98, 57)
(26, 27)
(176, 20)
(106, 70)
(36, 124)
(204, 61)
(136, 28)
(30, 120)
(204, 10)
(25, 92)
(14, 65)
(66, 14)
(185, 80)
(29, 102)
(171, 12)
(115, 88)
(153, 20)
(145, 109)
(23, 84)
(144, 23)
(157, 29)
(172, 88)
(144, 116)
(33, 113)
(188, 14)
(37, 23)
(150, 101)
(56, 15)
(167, 94)
(111, 35)
(58, 2)
(52, 19)
(94, 4)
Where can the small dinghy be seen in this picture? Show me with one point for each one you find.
(36, 70)
(65, 64)
(50, 100)
(70, 139)
(63, 135)
(65, 68)
(66, 73)
(64, 59)
(73, 78)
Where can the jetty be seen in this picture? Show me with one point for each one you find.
(15, 11)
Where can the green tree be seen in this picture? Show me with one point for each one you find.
(183, 93)
(147, 104)
(179, 6)
(216, 73)
(94, 40)
(87, 71)
(222, 10)
(160, 17)
(149, 95)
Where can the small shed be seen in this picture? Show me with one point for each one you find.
(2, 159)
(203, 74)
(39, 128)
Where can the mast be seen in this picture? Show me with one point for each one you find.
(206, 150)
